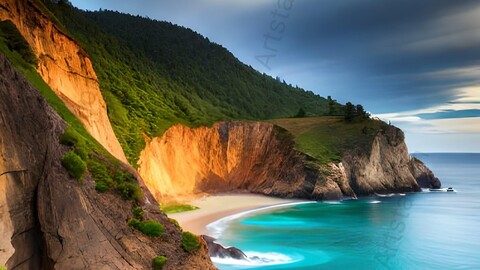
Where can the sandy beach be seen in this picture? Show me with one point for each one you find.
(213, 208)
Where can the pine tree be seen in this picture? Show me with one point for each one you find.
(301, 113)
(350, 112)
(361, 113)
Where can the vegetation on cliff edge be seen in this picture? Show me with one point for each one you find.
(106, 173)
(75, 166)
(158, 262)
(147, 227)
(190, 242)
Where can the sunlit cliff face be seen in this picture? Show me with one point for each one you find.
(228, 156)
(66, 68)
(173, 164)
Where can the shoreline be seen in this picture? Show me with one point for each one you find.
(220, 206)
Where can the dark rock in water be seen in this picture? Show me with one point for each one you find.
(219, 251)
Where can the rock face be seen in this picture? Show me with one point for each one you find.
(50, 221)
(229, 156)
(65, 67)
(261, 158)
(387, 167)
(24, 147)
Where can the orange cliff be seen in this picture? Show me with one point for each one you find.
(66, 68)
(231, 156)
(261, 158)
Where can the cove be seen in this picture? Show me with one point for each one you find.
(424, 230)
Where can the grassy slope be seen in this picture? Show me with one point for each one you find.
(154, 74)
(326, 138)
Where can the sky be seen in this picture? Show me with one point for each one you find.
(414, 63)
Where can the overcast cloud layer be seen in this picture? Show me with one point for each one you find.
(415, 63)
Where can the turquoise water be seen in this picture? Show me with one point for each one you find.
(417, 231)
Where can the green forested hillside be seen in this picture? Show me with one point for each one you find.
(154, 74)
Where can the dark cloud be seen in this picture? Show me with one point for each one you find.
(377, 47)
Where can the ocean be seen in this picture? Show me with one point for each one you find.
(427, 230)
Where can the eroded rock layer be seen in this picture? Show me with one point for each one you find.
(65, 67)
(260, 157)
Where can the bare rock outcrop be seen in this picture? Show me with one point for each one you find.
(384, 168)
(260, 157)
(25, 146)
(50, 221)
(65, 67)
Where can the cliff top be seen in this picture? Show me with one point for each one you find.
(327, 137)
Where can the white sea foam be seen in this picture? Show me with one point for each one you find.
(375, 201)
(332, 202)
(385, 195)
(436, 190)
(390, 195)
(216, 228)
(258, 259)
